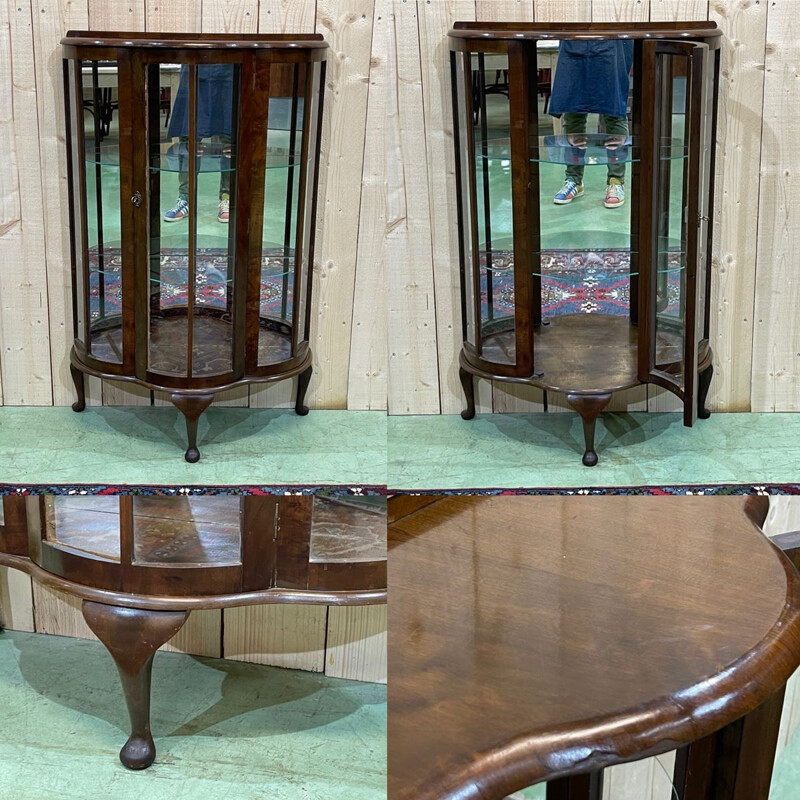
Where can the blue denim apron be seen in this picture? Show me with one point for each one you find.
(592, 77)
(214, 99)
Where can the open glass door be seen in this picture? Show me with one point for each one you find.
(495, 121)
(674, 216)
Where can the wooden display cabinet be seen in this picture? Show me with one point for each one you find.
(141, 564)
(197, 298)
(579, 298)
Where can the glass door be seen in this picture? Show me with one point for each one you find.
(191, 177)
(95, 94)
(674, 211)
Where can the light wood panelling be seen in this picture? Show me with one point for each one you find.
(411, 317)
(776, 339)
(356, 647)
(735, 218)
(24, 327)
(435, 20)
(367, 380)
(16, 600)
(278, 635)
(166, 16)
(287, 16)
(117, 16)
(347, 27)
(229, 16)
(563, 10)
(53, 19)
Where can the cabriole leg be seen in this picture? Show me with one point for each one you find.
(132, 637)
(192, 406)
(589, 407)
(80, 388)
(703, 384)
(468, 385)
(303, 379)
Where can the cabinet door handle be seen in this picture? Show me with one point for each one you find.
(137, 199)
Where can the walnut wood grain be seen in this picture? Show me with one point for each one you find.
(533, 638)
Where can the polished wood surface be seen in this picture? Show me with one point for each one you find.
(485, 30)
(536, 637)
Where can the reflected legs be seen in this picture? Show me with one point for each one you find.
(80, 388)
(703, 384)
(468, 385)
(303, 379)
(132, 637)
(588, 786)
(589, 407)
(191, 406)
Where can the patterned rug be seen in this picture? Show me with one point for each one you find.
(211, 278)
(576, 282)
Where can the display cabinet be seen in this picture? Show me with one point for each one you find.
(193, 164)
(606, 286)
(141, 564)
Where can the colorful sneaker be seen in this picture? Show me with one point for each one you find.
(569, 191)
(223, 214)
(178, 212)
(615, 194)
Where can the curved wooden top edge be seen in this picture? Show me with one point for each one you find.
(583, 30)
(663, 724)
(355, 597)
(196, 41)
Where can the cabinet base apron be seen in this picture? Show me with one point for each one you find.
(607, 363)
(192, 402)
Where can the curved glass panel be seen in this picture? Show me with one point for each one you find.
(100, 105)
(85, 524)
(491, 120)
(348, 529)
(187, 531)
(285, 122)
(670, 219)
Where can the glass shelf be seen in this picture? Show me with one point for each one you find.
(176, 159)
(557, 149)
(211, 277)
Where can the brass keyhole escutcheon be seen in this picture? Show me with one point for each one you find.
(137, 199)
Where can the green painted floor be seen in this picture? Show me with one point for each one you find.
(635, 449)
(222, 729)
(145, 446)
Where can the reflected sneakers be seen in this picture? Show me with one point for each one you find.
(178, 212)
(615, 193)
(569, 191)
(223, 214)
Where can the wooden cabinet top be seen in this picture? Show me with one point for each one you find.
(535, 637)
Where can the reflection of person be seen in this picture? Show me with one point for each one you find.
(214, 96)
(593, 77)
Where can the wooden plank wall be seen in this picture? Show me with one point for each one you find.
(756, 273)
(348, 330)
